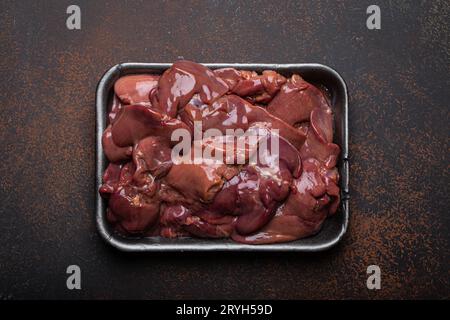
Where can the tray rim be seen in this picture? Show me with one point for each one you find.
(121, 244)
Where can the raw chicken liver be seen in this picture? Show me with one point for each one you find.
(252, 192)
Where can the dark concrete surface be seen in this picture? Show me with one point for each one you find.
(399, 144)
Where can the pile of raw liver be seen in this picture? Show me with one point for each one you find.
(150, 195)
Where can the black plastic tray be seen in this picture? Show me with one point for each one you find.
(333, 228)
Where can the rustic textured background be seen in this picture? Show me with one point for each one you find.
(399, 143)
